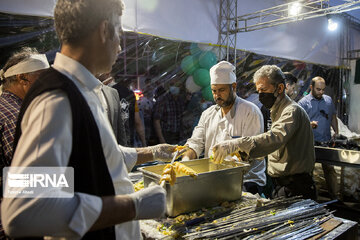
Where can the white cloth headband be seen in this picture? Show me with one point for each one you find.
(222, 73)
(34, 63)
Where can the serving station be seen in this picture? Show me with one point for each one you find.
(213, 206)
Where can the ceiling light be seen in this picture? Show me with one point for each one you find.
(332, 24)
(294, 9)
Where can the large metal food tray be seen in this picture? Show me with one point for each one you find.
(215, 184)
(337, 156)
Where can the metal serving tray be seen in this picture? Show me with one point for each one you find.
(215, 184)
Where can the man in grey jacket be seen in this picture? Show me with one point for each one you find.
(289, 143)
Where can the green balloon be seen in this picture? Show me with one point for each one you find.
(194, 49)
(207, 93)
(189, 64)
(202, 77)
(207, 59)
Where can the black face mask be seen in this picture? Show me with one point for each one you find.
(267, 99)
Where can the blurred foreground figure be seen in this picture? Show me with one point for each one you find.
(63, 122)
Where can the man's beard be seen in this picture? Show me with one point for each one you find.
(316, 96)
(228, 102)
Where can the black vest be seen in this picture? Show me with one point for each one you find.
(91, 174)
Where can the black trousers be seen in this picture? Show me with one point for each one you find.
(253, 188)
(294, 185)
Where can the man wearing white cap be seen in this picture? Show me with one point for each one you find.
(19, 72)
(230, 118)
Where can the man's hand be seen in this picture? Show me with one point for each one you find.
(225, 148)
(334, 137)
(314, 124)
(149, 202)
(163, 152)
(189, 154)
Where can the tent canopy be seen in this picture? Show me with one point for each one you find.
(198, 21)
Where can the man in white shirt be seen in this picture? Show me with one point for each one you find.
(230, 118)
(49, 133)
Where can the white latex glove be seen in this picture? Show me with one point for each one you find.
(225, 148)
(163, 152)
(149, 202)
(185, 158)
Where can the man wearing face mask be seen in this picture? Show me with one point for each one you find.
(230, 118)
(168, 112)
(289, 143)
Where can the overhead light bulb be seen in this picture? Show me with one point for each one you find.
(294, 9)
(332, 24)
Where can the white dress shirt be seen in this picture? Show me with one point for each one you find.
(244, 119)
(47, 141)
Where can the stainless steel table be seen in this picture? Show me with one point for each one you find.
(338, 157)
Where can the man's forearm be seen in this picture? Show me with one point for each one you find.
(334, 124)
(144, 155)
(140, 128)
(190, 154)
(115, 210)
(162, 152)
(141, 133)
(158, 131)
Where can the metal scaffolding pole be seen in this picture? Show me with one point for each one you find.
(228, 12)
(230, 24)
(281, 14)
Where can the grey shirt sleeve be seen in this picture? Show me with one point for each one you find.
(281, 131)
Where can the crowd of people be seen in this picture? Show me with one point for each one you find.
(166, 113)
(71, 115)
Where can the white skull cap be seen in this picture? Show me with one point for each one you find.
(34, 63)
(222, 73)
